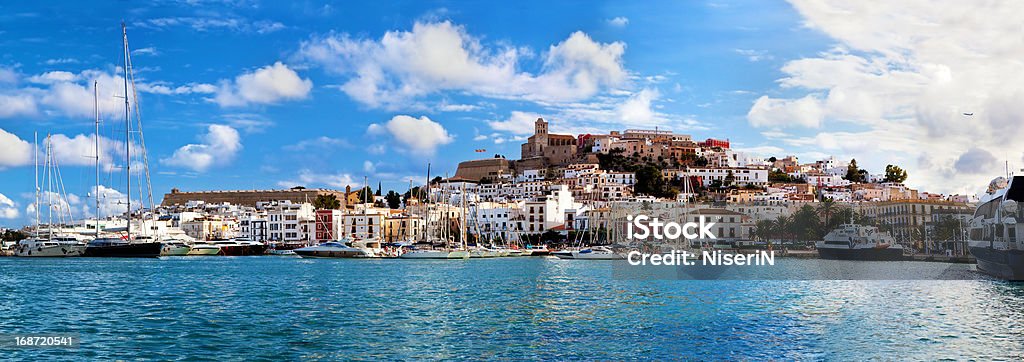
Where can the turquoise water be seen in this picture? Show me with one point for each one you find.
(247, 308)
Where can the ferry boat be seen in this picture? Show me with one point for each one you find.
(995, 239)
(859, 242)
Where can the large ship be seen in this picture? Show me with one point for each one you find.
(859, 242)
(995, 240)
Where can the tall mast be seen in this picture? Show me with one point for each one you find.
(127, 134)
(426, 207)
(96, 110)
(35, 156)
(49, 188)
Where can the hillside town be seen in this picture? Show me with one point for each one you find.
(566, 186)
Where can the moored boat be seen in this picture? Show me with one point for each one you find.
(204, 249)
(859, 242)
(592, 253)
(995, 230)
(49, 247)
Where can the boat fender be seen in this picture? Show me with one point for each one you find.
(65, 251)
(39, 249)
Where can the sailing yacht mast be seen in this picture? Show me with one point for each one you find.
(96, 111)
(128, 134)
(35, 156)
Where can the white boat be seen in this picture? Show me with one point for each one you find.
(173, 247)
(995, 238)
(60, 246)
(859, 242)
(435, 254)
(477, 253)
(593, 253)
(333, 249)
(204, 250)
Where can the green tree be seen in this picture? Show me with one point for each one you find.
(764, 229)
(13, 235)
(366, 195)
(895, 174)
(782, 226)
(416, 192)
(378, 189)
(805, 224)
(852, 172)
(323, 202)
(730, 178)
(394, 199)
(650, 182)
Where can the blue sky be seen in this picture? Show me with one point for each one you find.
(250, 94)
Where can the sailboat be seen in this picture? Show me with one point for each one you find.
(126, 246)
(50, 244)
(447, 252)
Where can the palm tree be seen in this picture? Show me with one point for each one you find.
(323, 202)
(826, 208)
(782, 225)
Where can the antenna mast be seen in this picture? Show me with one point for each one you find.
(128, 134)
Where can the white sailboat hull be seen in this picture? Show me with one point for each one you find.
(49, 251)
(436, 254)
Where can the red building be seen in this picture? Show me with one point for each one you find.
(328, 224)
(711, 142)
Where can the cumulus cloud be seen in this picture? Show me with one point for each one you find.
(910, 71)
(16, 152)
(8, 209)
(637, 109)
(218, 147)
(417, 135)
(266, 85)
(518, 122)
(775, 112)
(976, 161)
(440, 56)
(78, 150)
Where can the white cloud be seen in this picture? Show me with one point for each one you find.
(80, 149)
(753, 55)
(618, 21)
(8, 209)
(312, 179)
(322, 141)
(906, 72)
(417, 135)
(775, 112)
(219, 146)
(518, 123)
(266, 85)
(214, 23)
(16, 152)
(405, 65)
(52, 77)
(637, 109)
(145, 51)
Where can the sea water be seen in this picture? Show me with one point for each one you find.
(246, 308)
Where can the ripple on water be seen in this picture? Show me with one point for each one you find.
(516, 308)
